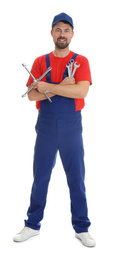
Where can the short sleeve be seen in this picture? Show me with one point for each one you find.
(83, 72)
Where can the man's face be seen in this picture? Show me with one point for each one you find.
(62, 34)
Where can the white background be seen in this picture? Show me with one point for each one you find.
(25, 35)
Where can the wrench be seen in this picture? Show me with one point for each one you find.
(36, 80)
(69, 70)
(70, 66)
(75, 67)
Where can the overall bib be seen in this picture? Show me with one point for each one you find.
(59, 128)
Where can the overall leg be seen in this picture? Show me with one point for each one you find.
(72, 156)
(44, 160)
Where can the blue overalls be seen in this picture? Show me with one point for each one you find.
(59, 128)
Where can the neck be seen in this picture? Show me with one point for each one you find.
(61, 52)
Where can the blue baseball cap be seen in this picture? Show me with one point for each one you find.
(62, 17)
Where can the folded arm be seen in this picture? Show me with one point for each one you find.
(67, 88)
(35, 95)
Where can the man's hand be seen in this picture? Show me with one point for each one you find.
(68, 81)
(42, 87)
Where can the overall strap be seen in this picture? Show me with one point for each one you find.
(48, 75)
(66, 71)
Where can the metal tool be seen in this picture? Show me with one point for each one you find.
(36, 80)
(69, 71)
(72, 71)
(70, 66)
(75, 67)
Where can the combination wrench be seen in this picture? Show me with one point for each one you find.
(72, 71)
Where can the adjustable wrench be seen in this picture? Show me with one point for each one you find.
(36, 80)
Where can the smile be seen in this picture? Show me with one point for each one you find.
(61, 40)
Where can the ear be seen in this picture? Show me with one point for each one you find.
(72, 34)
(51, 33)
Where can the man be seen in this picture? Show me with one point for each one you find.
(59, 127)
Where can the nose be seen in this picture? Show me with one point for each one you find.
(62, 34)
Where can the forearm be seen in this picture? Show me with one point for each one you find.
(35, 95)
(69, 91)
(67, 88)
(78, 90)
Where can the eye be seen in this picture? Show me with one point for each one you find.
(58, 30)
(66, 30)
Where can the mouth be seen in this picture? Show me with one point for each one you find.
(61, 43)
(62, 40)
